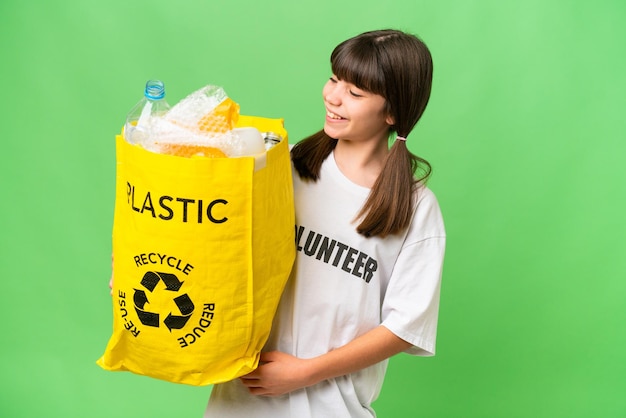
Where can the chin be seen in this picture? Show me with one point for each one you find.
(329, 131)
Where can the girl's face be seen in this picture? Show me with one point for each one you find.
(353, 114)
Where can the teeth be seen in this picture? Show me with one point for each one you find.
(333, 116)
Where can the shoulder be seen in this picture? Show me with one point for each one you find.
(424, 193)
(427, 219)
(424, 198)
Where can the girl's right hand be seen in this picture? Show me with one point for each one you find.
(111, 280)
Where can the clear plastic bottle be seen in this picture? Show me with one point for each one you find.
(140, 119)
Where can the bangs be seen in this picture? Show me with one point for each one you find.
(357, 63)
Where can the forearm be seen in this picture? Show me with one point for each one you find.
(364, 351)
(279, 373)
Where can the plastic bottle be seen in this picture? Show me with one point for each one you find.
(251, 142)
(140, 118)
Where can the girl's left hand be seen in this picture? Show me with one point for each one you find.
(277, 374)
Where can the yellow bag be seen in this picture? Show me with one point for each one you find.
(203, 248)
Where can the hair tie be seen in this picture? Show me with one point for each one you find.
(400, 138)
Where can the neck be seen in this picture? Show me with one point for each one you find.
(361, 162)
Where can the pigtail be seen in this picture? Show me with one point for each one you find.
(389, 208)
(309, 154)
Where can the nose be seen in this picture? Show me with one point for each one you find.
(330, 94)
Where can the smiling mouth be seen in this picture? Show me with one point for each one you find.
(333, 116)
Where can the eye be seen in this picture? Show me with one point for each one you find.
(333, 80)
(355, 94)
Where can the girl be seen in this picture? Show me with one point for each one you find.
(370, 240)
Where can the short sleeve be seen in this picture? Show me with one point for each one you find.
(410, 307)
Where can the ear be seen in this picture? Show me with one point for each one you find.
(390, 120)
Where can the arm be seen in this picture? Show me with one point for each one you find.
(282, 373)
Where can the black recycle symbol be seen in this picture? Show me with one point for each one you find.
(172, 284)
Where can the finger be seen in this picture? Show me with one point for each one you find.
(252, 383)
(255, 374)
(264, 392)
(255, 391)
(268, 356)
(258, 391)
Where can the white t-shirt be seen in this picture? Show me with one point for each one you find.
(342, 286)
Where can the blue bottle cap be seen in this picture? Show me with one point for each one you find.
(155, 90)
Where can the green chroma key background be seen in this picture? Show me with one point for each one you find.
(525, 130)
